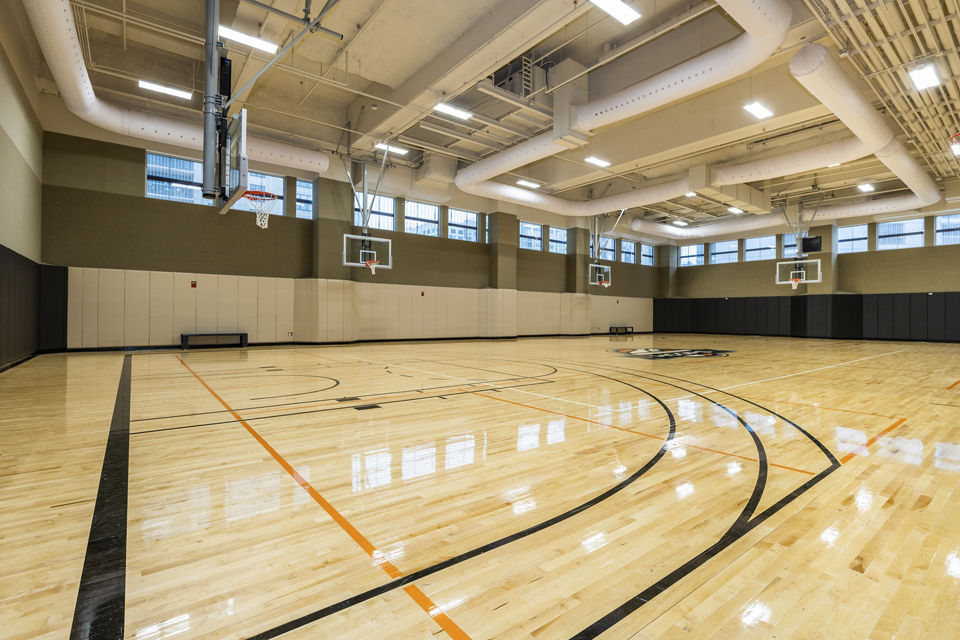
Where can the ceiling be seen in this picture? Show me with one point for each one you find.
(502, 59)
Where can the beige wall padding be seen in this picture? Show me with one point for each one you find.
(128, 308)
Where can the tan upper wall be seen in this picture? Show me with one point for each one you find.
(900, 270)
(21, 144)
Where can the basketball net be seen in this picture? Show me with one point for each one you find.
(604, 283)
(372, 265)
(794, 282)
(262, 204)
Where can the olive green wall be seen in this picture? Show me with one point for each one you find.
(900, 270)
(541, 271)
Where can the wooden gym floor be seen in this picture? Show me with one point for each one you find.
(539, 488)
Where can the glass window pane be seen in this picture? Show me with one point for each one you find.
(691, 255)
(264, 182)
(382, 210)
(531, 236)
(852, 239)
(462, 225)
(608, 249)
(763, 248)
(902, 234)
(789, 245)
(175, 179)
(947, 229)
(628, 251)
(724, 252)
(421, 218)
(558, 240)
(304, 199)
(646, 255)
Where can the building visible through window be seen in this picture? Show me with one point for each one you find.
(382, 213)
(421, 218)
(646, 255)
(628, 251)
(558, 240)
(531, 236)
(176, 179)
(691, 255)
(305, 199)
(462, 225)
(724, 252)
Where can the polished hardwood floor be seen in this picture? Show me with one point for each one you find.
(537, 488)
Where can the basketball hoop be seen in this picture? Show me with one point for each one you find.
(604, 283)
(262, 204)
(372, 265)
(795, 282)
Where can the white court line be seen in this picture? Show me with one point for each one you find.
(800, 373)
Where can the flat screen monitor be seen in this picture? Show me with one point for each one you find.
(812, 244)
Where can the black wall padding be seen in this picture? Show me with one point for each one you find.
(887, 316)
(53, 308)
(19, 306)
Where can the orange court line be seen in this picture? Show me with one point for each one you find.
(640, 433)
(863, 448)
(953, 385)
(418, 596)
(814, 406)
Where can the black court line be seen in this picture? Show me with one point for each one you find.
(99, 613)
(336, 408)
(336, 383)
(496, 544)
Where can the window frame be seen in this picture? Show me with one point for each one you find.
(632, 253)
(535, 240)
(698, 257)
(921, 233)
(376, 213)
(943, 233)
(457, 225)
(783, 245)
(865, 239)
(416, 220)
(644, 254)
(551, 240)
(726, 252)
(193, 186)
(612, 248)
(299, 200)
(756, 254)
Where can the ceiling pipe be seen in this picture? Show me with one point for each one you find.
(53, 24)
(765, 27)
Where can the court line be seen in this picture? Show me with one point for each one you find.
(800, 373)
(953, 385)
(640, 433)
(100, 607)
(816, 406)
(415, 593)
(862, 449)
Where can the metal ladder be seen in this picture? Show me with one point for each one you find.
(526, 75)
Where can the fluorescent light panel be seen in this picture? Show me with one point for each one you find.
(596, 161)
(621, 11)
(866, 187)
(757, 110)
(925, 77)
(250, 41)
(443, 107)
(691, 194)
(955, 148)
(528, 184)
(400, 151)
(734, 209)
(159, 88)
(681, 223)
(831, 166)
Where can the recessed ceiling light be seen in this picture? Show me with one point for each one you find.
(925, 77)
(250, 41)
(831, 166)
(735, 210)
(681, 223)
(528, 184)
(757, 110)
(443, 107)
(596, 161)
(866, 187)
(621, 11)
(167, 90)
(400, 151)
(955, 148)
(691, 194)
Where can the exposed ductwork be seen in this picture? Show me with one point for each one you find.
(766, 27)
(53, 24)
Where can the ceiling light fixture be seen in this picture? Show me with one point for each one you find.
(691, 194)
(757, 110)
(400, 151)
(159, 88)
(955, 148)
(925, 77)
(734, 209)
(250, 41)
(443, 107)
(866, 187)
(831, 166)
(528, 184)
(621, 11)
(681, 223)
(596, 161)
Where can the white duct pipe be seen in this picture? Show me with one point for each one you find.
(53, 24)
(765, 25)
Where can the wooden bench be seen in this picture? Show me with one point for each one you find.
(620, 329)
(212, 340)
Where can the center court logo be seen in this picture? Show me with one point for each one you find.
(667, 354)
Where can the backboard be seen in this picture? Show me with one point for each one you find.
(796, 272)
(600, 274)
(234, 174)
(367, 251)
